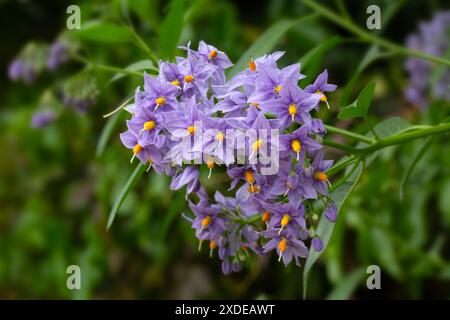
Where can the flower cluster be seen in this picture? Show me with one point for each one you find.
(432, 38)
(190, 115)
(77, 92)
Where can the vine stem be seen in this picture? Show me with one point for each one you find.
(348, 134)
(390, 141)
(106, 67)
(366, 36)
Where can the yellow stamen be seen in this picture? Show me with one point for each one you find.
(206, 221)
(188, 78)
(210, 164)
(256, 105)
(253, 189)
(149, 125)
(248, 175)
(282, 245)
(292, 110)
(150, 162)
(176, 83)
(323, 97)
(277, 89)
(321, 176)
(285, 220)
(297, 147)
(252, 65)
(212, 246)
(257, 144)
(213, 54)
(265, 216)
(220, 136)
(160, 101)
(137, 148)
(191, 129)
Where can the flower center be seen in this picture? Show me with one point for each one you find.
(175, 82)
(212, 244)
(292, 109)
(277, 89)
(257, 144)
(210, 163)
(206, 221)
(321, 176)
(137, 148)
(255, 104)
(189, 78)
(220, 136)
(253, 189)
(285, 220)
(160, 101)
(323, 97)
(149, 125)
(213, 54)
(252, 65)
(191, 130)
(296, 145)
(282, 245)
(265, 216)
(248, 175)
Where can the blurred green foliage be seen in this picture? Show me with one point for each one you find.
(55, 193)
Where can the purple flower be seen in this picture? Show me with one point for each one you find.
(287, 247)
(59, 53)
(158, 95)
(320, 86)
(318, 173)
(186, 177)
(331, 213)
(19, 69)
(207, 222)
(287, 217)
(298, 142)
(42, 119)
(293, 105)
(317, 244)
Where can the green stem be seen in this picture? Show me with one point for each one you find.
(339, 166)
(371, 128)
(344, 178)
(350, 26)
(342, 147)
(348, 134)
(404, 137)
(106, 67)
(141, 43)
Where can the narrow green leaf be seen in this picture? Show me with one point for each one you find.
(171, 28)
(325, 227)
(371, 55)
(313, 57)
(106, 134)
(266, 42)
(131, 182)
(423, 150)
(103, 32)
(348, 285)
(360, 106)
(137, 66)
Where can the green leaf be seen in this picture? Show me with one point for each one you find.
(312, 58)
(103, 32)
(423, 150)
(372, 55)
(137, 66)
(171, 28)
(131, 182)
(266, 42)
(348, 285)
(106, 134)
(361, 105)
(325, 227)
